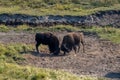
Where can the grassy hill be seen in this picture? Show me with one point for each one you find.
(10, 54)
(57, 7)
(16, 72)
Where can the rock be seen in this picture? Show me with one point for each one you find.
(101, 18)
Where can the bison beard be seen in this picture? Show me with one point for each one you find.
(48, 39)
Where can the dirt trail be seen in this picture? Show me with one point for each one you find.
(102, 57)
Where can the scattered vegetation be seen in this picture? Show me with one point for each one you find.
(27, 28)
(57, 7)
(4, 28)
(11, 53)
(63, 28)
(9, 70)
(15, 72)
(49, 3)
(107, 32)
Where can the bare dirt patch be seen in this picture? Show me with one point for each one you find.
(102, 57)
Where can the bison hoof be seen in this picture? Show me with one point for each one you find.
(64, 53)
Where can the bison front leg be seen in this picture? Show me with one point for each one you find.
(75, 49)
(78, 48)
(57, 51)
(37, 45)
(64, 53)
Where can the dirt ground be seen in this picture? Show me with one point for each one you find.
(101, 57)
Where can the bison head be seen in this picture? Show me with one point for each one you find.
(64, 48)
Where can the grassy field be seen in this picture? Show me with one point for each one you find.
(107, 32)
(10, 54)
(57, 7)
(15, 72)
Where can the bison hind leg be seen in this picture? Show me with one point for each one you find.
(75, 49)
(78, 48)
(83, 44)
(51, 49)
(57, 51)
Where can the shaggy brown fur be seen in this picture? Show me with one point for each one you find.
(72, 41)
(48, 39)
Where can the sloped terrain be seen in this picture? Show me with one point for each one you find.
(101, 18)
(101, 57)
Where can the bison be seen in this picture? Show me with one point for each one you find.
(72, 41)
(48, 39)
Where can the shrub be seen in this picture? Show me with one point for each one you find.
(12, 52)
(4, 28)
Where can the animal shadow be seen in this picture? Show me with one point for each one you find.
(113, 75)
(41, 54)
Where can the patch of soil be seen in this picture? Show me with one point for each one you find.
(100, 59)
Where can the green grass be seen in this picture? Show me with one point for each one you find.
(63, 28)
(4, 28)
(55, 7)
(11, 53)
(27, 28)
(52, 11)
(9, 70)
(15, 72)
(107, 32)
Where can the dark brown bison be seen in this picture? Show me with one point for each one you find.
(72, 41)
(48, 39)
